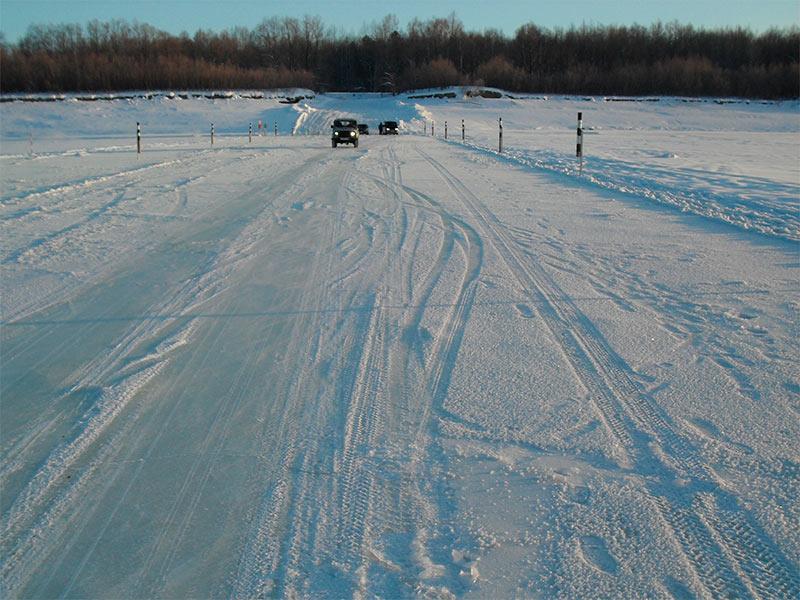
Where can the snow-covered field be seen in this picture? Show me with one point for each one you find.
(413, 368)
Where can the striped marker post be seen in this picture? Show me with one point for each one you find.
(250, 133)
(462, 130)
(138, 138)
(276, 128)
(433, 125)
(500, 136)
(445, 130)
(579, 147)
(424, 128)
(212, 134)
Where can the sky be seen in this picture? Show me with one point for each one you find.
(349, 16)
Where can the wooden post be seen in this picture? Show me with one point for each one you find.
(500, 136)
(579, 147)
(138, 138)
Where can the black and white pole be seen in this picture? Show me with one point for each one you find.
(424, 128)
(462, 130)
(138, 138)
(579, 147)
(433, 128)
(500, 135)
(212, 134)
(276, 128)
(250, 133)
(445, 130)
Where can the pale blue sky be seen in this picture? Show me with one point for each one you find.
(349, 15)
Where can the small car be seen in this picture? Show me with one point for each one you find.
(363, 129)
(344, 131)
(388, 128)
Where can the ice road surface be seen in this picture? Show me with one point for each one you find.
(274, 369)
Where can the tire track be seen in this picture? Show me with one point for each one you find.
(22, 528)
(190, 294)
(356, 476)
(116, 366)
(67, 236)
(259, 570)
(218, 431)
(707, 543)
(415, 509)
(131, 373)
(349, 485)
(93, 215)
(230, 262)
(360, 388)
(91, 182)
(368, 497)
(133, 479)
(17, 449)
(198, 475)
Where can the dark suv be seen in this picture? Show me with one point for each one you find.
(363, 129)
(344, 131)
(387, 128)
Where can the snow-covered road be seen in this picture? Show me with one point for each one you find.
(277, 369)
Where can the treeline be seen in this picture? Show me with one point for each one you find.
(667, 59)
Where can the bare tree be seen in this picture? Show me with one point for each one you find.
(666, 58)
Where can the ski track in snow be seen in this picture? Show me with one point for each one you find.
(278, 370)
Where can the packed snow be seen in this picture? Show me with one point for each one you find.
(419, 367)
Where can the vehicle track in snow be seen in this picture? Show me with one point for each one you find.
(182, 512)
(46, 501)
(88, 373)
(85, 203)
(339, 383)
(353, 484)
(80, 185)
(91, 220)
(351, 498)
(259, 570)
(418, 461)
(730, 554)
